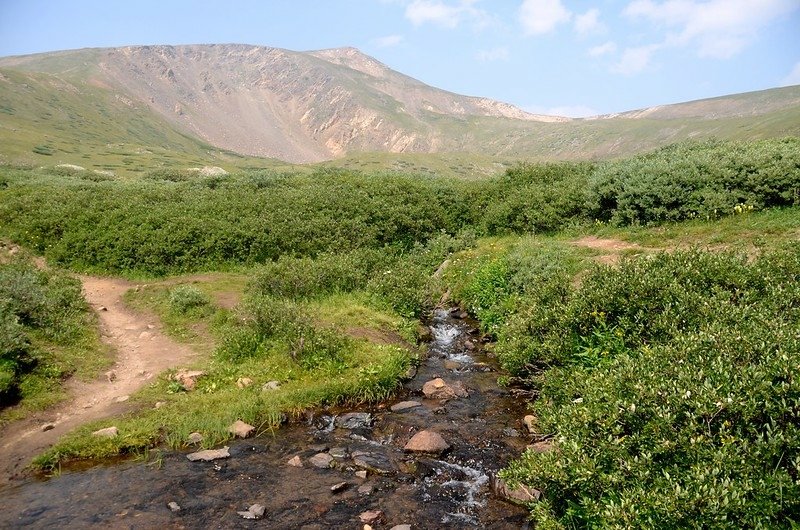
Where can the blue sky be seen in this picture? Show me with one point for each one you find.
(552, 56)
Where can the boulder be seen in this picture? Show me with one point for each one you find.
(439, 389)
(321, 460)
(207, 455)
(522, 494)
(427, 442)
(404, 406)
(108, 432)
(255, 511)
(241, 429)
(354, 420)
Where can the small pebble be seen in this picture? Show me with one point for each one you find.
(174, 506)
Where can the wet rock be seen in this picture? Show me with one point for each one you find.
(404, 406)
(243, 382)
(339, 452)
(439, 389)
(48, 427)
(450, 364)
(469, 345)
(270, 385)
(195, 438)
(427, 442)
(295, 461)
(321, 460)
(240, 429)
(354, 420)
(361, 473)
(439, 410)
(522, 494)
(411, 373)
(365, 489)
(375, 462)
(530, 423)
(174, 507)
(255, 511)
(371, 516)
(338, 487)
(108, 432)
(207, 455)
(541, 447)
(510, 432)
(318, 448)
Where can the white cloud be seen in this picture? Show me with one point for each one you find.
(495, 54)
(717, 28)
(603, 49)
(388, 41)
(589, 23)
(635, 60)
(446, 15)
(542, 16)
(794, 76)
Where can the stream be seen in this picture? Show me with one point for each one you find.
(453, 490)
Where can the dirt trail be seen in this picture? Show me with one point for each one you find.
(142, 351)
(613, 247)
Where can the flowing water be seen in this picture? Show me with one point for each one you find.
(449, 491)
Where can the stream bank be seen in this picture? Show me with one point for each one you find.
(481, 425)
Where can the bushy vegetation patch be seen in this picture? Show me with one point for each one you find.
(45, 333)
(671, 388)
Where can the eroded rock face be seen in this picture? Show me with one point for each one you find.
(439, 389)
(427, 442)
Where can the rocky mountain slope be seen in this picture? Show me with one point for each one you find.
(314, 106)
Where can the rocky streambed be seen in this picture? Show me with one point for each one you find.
(426, 460)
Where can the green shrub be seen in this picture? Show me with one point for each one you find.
(185, 298)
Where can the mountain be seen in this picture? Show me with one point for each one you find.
(231, 103)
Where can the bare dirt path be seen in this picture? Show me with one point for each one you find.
(141, 350)
(613, 247)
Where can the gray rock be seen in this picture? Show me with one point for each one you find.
(522, 494)
(241, 429)
(108, 432)
(427, 442)
(404, 406)
(401, 527)
(339, 452)
(365, 489)
(321, 460)
(510, 432)
(361, 473)
(354, 420)
(195, 438)
(207, 455)
(174, 507)
(270, 385)
(255, 511)
(375, 462)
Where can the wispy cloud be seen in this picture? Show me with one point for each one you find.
(635, 60)
(603, 49)
(794, 76)
(542, 16)
(388, 41)
(445, 14)
(716, 28)
(495, 54)
(589, 23)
